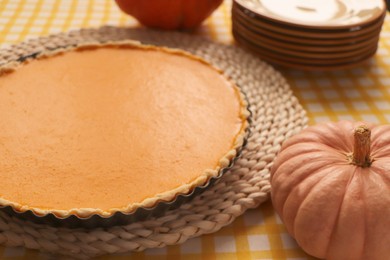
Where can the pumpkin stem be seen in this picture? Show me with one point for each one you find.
(362, 145)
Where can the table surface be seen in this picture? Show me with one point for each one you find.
(362, 93)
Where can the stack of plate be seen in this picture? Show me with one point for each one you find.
(310, 34)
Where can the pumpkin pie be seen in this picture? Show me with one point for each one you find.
(97, 129)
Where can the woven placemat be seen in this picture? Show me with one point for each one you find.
(276, 115)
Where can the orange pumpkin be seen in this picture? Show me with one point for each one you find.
(169, 14)
(331, 188)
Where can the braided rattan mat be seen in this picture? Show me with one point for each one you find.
(276, 116)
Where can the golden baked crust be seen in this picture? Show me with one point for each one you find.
(167, 196)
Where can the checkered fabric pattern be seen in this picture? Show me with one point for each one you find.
(362, 93)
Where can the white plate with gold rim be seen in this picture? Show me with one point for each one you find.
(323, 14)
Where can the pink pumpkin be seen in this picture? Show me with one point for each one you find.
(331, 188)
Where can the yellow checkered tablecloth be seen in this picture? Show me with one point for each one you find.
(358, 94)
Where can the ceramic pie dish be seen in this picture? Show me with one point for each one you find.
(106, 134)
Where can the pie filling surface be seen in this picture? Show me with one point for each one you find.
(109, 127)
